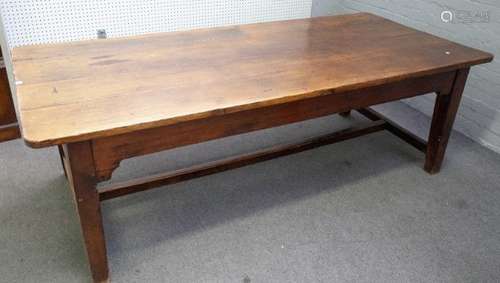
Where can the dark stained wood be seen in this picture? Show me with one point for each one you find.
(81, 172)
(345, 114)
(93, 89)
(445, 110)
(109, 151)
(7, 112)
(142, 184)
(9, 132)
(395, 129)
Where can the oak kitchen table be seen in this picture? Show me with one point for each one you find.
(103, 101)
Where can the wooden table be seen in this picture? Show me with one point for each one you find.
(104, 101)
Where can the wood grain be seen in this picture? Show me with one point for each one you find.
(109, 151)
(445, 111)
(93, 89)
(81, 175)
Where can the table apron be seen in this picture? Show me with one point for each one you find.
(108, 152)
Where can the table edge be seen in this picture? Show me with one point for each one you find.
(33, 142)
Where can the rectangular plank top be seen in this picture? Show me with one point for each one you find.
(89, 89)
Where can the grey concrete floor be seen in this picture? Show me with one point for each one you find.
(358, 211)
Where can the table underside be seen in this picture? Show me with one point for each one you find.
(88, 163)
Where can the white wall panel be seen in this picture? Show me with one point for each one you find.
(48, 21)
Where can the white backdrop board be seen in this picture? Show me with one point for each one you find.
(48, 21)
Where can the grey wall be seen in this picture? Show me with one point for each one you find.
(479, 115)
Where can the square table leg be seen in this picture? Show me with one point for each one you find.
(81, 174)
(445, 111)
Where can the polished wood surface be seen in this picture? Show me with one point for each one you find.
(94, 89)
